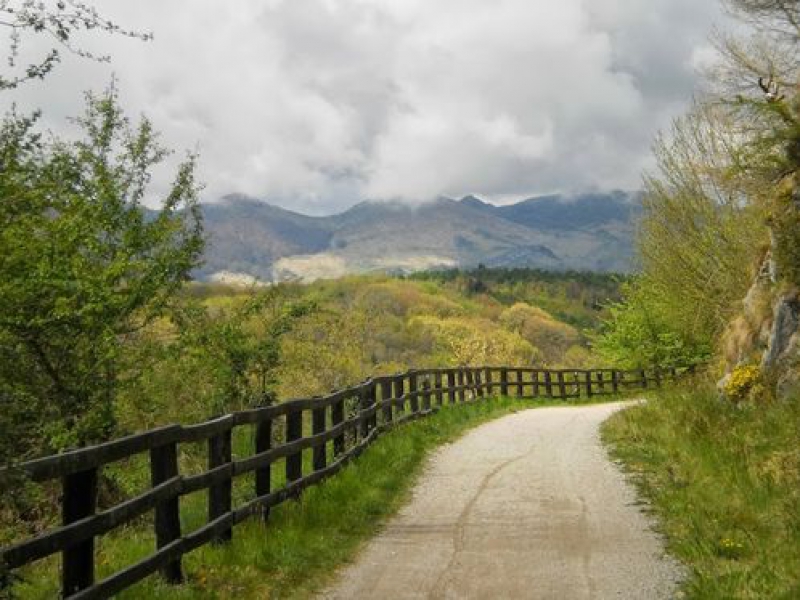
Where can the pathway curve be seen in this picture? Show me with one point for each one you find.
(527, 506)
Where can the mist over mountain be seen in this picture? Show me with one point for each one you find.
(249, 238)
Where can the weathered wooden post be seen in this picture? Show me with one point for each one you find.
(643, 375)
(319, 454)
(426, 393)
(337, 418)
(386, 395)
(167, 521)
(489, 379)
(504, 382)
(79, 500)
(412, 391)
(536, 389)
(219, 494)
(562, 388)
(437, 379)
(399, 392)
(478, 382)
(548, 384)
(589, 392)
(520, 383)
(263, 475)
(462, 384)
(294, 431)
(365, 401)
(451, 386)
(615, 381)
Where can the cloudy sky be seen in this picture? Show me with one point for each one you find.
(318, 104)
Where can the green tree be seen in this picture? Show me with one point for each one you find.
(721, 216)
(83, 264)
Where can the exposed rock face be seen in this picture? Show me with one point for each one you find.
(783, 352)
(767, 333)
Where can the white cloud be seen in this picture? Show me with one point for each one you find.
(316, 104)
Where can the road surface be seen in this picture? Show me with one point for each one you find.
(527, 506)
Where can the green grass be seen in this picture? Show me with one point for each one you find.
(724, 482)
(305, 541)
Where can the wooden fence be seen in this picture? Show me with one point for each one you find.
(341, 426)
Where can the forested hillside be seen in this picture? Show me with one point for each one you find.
(222, 349)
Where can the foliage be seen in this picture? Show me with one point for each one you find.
(641, 331)
(221, 348)
(725, 201)
(464, 341)
(724, 480)
(59, 21)
(576, 298)
(743, 381)
(83, 264)
(549, 336)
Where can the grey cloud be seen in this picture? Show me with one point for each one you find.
(317, 104)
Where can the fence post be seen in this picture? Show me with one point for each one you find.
(79, 500)
(219, 494)
(412, 392)
(462, 384)
(504, 382)
(163, 467)
(589, 392)
(643, 374)
(386, 394)
(294, 431)
(319, 454)
(451, 386)
(263, 443)
(365, 402)
(536, 387)
(478, 382)
(548, 384)
(426, 393)
(489, 379)
(399, 391)
(562, 389)
(615, 381)
(337, 418)
(520, 383)
(437, 380)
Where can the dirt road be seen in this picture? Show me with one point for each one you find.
(528, 506)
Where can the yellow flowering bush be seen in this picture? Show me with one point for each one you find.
(743, 380)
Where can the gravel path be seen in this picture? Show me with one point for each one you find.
(528, 506)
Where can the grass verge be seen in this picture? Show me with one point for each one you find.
(304, 542)
(724, 481)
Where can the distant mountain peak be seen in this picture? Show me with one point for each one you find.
(248, 236)
(474, 201)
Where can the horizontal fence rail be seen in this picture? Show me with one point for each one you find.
(333, 429)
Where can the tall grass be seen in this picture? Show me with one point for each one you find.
(724, 481)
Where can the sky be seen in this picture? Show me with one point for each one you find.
(316, 105)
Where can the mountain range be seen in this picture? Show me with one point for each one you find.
(250, 239)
